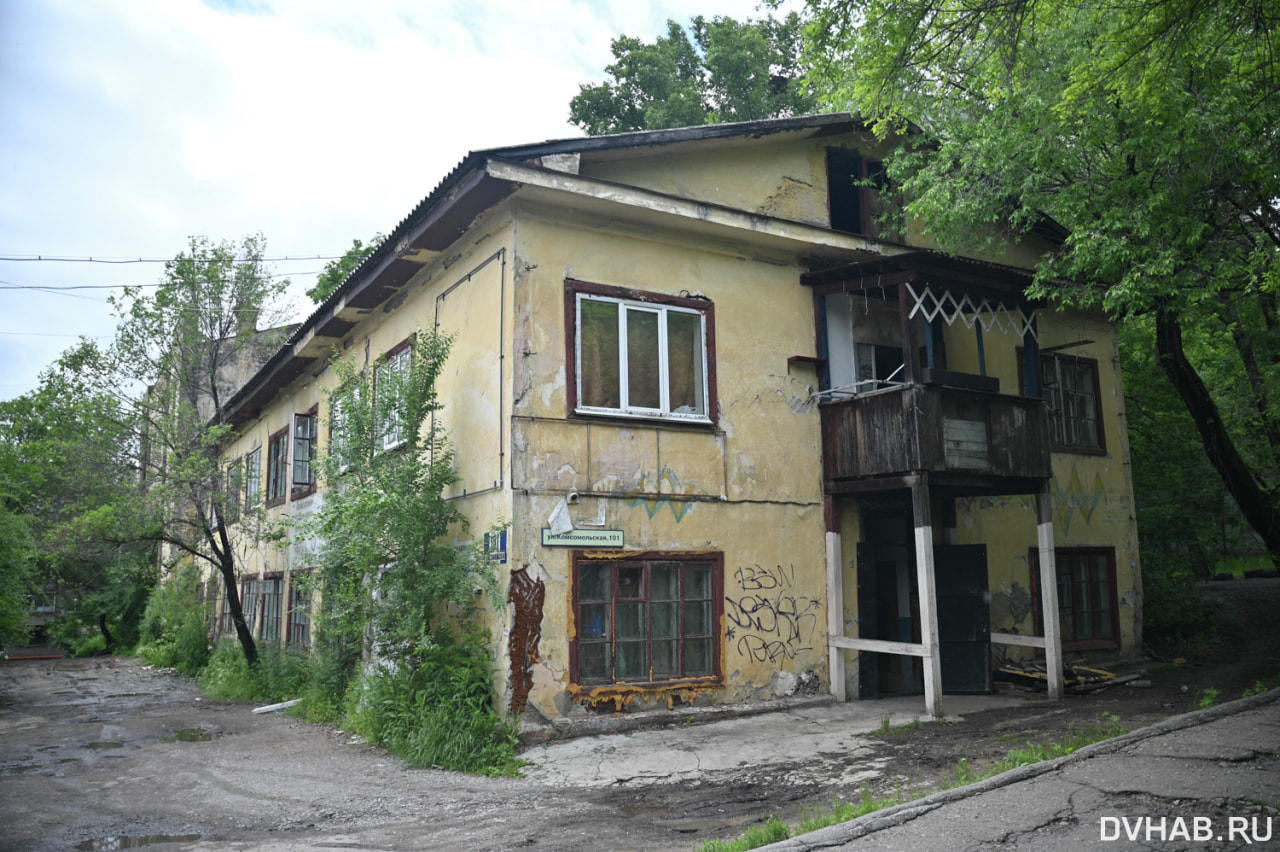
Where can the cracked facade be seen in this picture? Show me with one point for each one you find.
(671, 348)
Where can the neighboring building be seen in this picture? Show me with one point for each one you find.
(695, 346)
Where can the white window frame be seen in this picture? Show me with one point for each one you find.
(392, 435)
(625, 408)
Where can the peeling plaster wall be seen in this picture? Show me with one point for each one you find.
(1092, 494)
(750, 488)
(476, 275)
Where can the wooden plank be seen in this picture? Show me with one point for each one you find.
(1017, 639)
(880, 646)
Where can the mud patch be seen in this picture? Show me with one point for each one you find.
(191, 735)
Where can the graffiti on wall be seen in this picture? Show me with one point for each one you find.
(768, 620)
(527, 594)
(666, 482)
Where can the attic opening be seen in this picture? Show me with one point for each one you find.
(854, 193)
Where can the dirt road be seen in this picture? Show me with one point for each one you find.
(103, 754)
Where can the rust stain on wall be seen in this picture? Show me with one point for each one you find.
(528, 595)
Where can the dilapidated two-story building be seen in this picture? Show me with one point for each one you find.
(745, 440)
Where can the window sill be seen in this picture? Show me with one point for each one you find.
(624, 687)
(273, 502)
(298, 494)
(700, 424)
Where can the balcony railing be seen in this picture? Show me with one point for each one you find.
(917, 428)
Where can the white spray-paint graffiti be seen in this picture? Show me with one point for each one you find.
(768, 621)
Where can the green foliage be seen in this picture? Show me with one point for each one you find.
(438, 712)
(730, 71)
(1142, 127)
(389, 577)
(279, 675)
(337, 271)
(1262, 685)
(1174, 610)
(386, 563)
(175, 625)
(176, 360)
(17, 576)
(1209, 697)
(88, 646)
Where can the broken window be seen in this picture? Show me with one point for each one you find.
(304, 453)
(856, 188)
(647, 620)
(1070, 387)
(277, 467)
(641, 354)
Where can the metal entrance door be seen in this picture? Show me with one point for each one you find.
(964, 617)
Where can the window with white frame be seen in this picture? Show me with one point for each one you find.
(642, 354)
(388, 381)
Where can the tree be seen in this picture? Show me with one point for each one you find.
(337, 271)
(179, 355)
(386, 564)
(1147, 129)
(66, 458)
(730, 71)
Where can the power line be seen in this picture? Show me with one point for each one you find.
(29, 258)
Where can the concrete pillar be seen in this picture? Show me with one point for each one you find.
(928, 597)
(1049, 592)
(835, 615)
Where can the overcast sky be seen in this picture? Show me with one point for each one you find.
(127, 126)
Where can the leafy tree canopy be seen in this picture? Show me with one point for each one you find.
(337, 271)
(181, 352)
(727, 71)
(1146, 128)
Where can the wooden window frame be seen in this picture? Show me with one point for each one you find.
(577, 290)
(846, 195)
(1099, 420)
(1072, 643)
(715, 559)
(252, 479)
(279, 466)
(299, 490)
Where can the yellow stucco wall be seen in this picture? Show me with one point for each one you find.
(748, 486)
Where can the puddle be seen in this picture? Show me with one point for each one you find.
(191, 735)
(104, 745)
(126, 694)
(20, 769)
(127, 841)
(693, 825)
(69, 760)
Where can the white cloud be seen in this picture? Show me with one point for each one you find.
(128, 125)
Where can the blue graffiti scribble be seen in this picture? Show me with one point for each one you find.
(594, 627)
(651, 505)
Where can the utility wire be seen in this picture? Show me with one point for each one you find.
(27, 258)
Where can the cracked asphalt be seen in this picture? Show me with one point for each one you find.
(1208, 780)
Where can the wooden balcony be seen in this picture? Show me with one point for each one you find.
(973, 441)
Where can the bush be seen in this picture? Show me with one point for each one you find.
(1174, 610)
(88, 646)
(436, 711)
(281, 674)
(174, 631)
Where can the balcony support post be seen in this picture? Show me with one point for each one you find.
(1049, 591)
(928, 596)
(835, 615)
